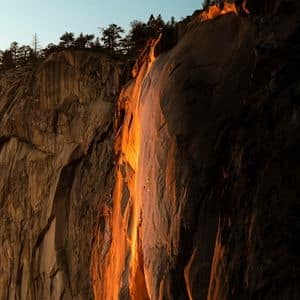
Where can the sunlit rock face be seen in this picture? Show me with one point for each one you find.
(186, 187)
(56, 158)
(205, 138)
(166, 202)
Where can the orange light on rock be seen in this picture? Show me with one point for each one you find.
(215, 11)
(246, 10)
(123, 252)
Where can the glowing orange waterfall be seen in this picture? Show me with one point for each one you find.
(218, 288)
(118, 273)
(215, 11)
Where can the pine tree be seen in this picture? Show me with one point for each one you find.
(67, 39)
(35, 44)
(205, 4)
(7, 61)
(135, 41)
(84, 40)
(111, 37)
(14, 48)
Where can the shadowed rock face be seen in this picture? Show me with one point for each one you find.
(202, 202)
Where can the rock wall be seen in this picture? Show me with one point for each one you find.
(56, 158)
(189, 191)
(204, 205)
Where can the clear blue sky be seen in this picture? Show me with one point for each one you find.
(20, 19)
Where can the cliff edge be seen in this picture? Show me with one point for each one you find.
(182, 183)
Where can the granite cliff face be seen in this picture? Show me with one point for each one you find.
(185, 188)
(56, 158)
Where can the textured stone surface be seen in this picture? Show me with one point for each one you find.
(194, 194)
(56, 157)
(203, 207)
